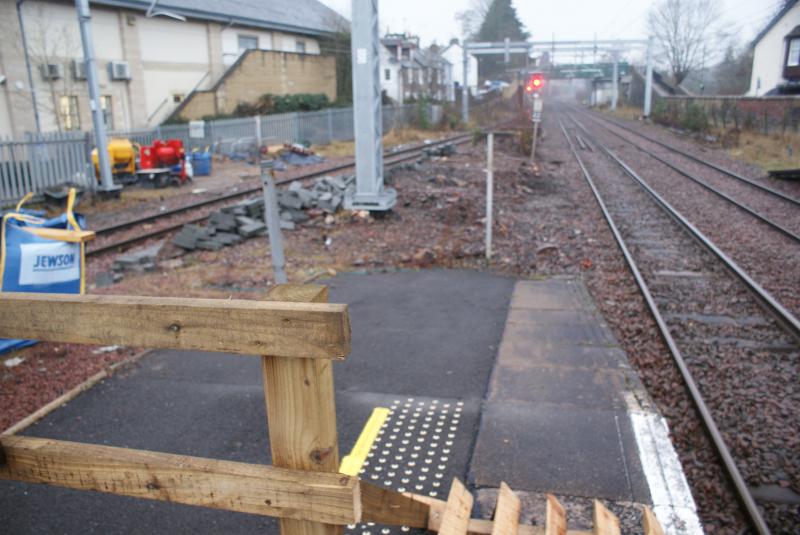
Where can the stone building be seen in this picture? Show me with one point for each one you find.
(149, 63)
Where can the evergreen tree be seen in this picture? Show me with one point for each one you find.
(501, 21)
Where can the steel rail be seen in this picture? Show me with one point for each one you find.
(391, 159)
(778, 311)
(764, 219)
(723, 170)
(247, 191)
(742, 491)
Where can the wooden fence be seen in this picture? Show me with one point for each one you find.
(300, 335)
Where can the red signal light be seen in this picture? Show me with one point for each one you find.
(535, 83)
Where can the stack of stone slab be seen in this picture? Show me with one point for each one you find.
(245, 219)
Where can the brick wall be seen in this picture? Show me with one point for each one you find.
(762, 114)
(259, 72)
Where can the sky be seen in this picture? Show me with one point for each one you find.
(434, 20)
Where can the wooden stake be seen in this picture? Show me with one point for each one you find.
(301, 413)
(555, 518)
(455, 520)
(605, 523)
(506, 515)
(650, 523)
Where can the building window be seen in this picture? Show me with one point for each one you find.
(387, 74)
(247, 42)
(793, 58)
(300, 47)
(177, 98)
(108, 111)
(68, 109)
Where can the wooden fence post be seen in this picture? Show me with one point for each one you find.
(301, 411)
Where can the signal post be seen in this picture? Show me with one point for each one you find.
(534, 88)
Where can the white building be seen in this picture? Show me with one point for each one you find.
(410, 72)
(146, 65)
(455, 55)
(776, 54)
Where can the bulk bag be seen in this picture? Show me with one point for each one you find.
(42, 255)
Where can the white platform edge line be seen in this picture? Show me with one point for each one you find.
(673, 503)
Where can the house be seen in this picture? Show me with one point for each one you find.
(409, 72)
(148, 61)
(776, 54)
(454, 53)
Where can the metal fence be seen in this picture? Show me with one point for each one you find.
(42, 161)
(38, 162)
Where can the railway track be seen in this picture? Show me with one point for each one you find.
(772, 209)
(737, 177)
(205, 206)
(735, 347)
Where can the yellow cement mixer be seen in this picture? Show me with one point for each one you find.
(122, 157)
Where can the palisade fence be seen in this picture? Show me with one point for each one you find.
(38, 162)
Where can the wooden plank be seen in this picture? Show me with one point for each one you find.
(555, 517)
(231, 486)
(385, 506)
(476, 526)
(298, 293)
(457, 512)
(650, 523)
(301, 414)
(308, 330)
(506, 514)
(605, 523)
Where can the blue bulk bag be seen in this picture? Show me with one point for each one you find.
(42, 255)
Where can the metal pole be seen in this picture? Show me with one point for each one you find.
(533, 143)
(28, 67)
(272, 217)
(648, 83)
(465, 88)
(84, 19)
(489, 192)
(615, 83)
(507, 54)
(370, 192)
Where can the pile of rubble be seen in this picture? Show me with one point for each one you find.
(243, 220)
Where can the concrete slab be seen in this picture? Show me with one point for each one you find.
(545, 447)
(561, 388)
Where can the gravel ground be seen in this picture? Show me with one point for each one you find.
(712, 153)
(766, 254)
(546, 223)
(736, 352)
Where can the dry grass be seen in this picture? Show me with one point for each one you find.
(631, 113)
(396, 136)
(767, 151)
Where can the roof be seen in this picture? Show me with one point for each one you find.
(308, 17)
(789, 5)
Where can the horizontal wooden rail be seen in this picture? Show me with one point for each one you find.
(306, 330)
(232, 486)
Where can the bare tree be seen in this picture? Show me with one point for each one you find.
(682, 30)
(472, 18)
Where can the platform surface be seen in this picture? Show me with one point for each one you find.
(555, 417)
(545, 410)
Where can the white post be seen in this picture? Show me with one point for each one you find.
(648, 83)
(258, 132)
(272, 218)
(615, 83)
(489, 192)
(465, 88)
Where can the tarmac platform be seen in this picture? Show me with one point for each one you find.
(487, 379)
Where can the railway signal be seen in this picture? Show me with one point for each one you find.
(535, 83)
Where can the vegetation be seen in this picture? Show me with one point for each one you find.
(683, 30)
(498, 21)
(338, 46)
